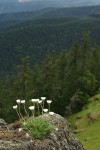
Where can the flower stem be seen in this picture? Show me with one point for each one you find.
(33, 113)
(21, 114)
(49, 107)
(18, 115)
(42, 109)
(43, 104)
(26, 111)
(38, 109)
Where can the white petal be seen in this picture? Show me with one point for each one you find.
(32, 100)
(43, 98)
(15, 107)
(45, 110)
(22, 101)
(40, 101)
(31, 107)
(49, 101)
(51, 113)
(18, 101)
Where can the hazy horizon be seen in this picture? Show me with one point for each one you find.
(69, 1)
(7, 6)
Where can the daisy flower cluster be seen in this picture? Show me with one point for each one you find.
(37, 106)
(30, 121)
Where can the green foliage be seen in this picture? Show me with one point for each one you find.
(38, 127)
(78, 100)
(88, 83)
(59, 77)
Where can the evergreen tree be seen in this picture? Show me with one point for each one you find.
(95, 64)
(74, 61)
(22, 82)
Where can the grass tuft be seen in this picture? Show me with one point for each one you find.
(38, 127)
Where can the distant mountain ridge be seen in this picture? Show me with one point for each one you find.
(9, 6)
(14, 18)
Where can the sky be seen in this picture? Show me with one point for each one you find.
(15, 1)
(49, 0)
(24, 0)
(63, 1)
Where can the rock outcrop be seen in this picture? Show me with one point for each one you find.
(61, 138)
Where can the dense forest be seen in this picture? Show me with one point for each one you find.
(38, 37)
(54, 52)
(69, 78)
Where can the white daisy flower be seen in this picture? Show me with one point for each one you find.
(31, 107)
(51, 113)
(43, 98)
(23, 101)
(32, 100)
(40, 101)
(18, 101)
(45, 110)
(49, 101)
(15, 107)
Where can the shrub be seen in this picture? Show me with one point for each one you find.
(38, 127)
(78, 100)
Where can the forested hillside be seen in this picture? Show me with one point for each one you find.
(68, 78)
(37, 38)
(54, 52)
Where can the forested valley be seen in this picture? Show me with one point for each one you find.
(56, 57)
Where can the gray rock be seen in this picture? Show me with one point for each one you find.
(2, 122)
(61, 138)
